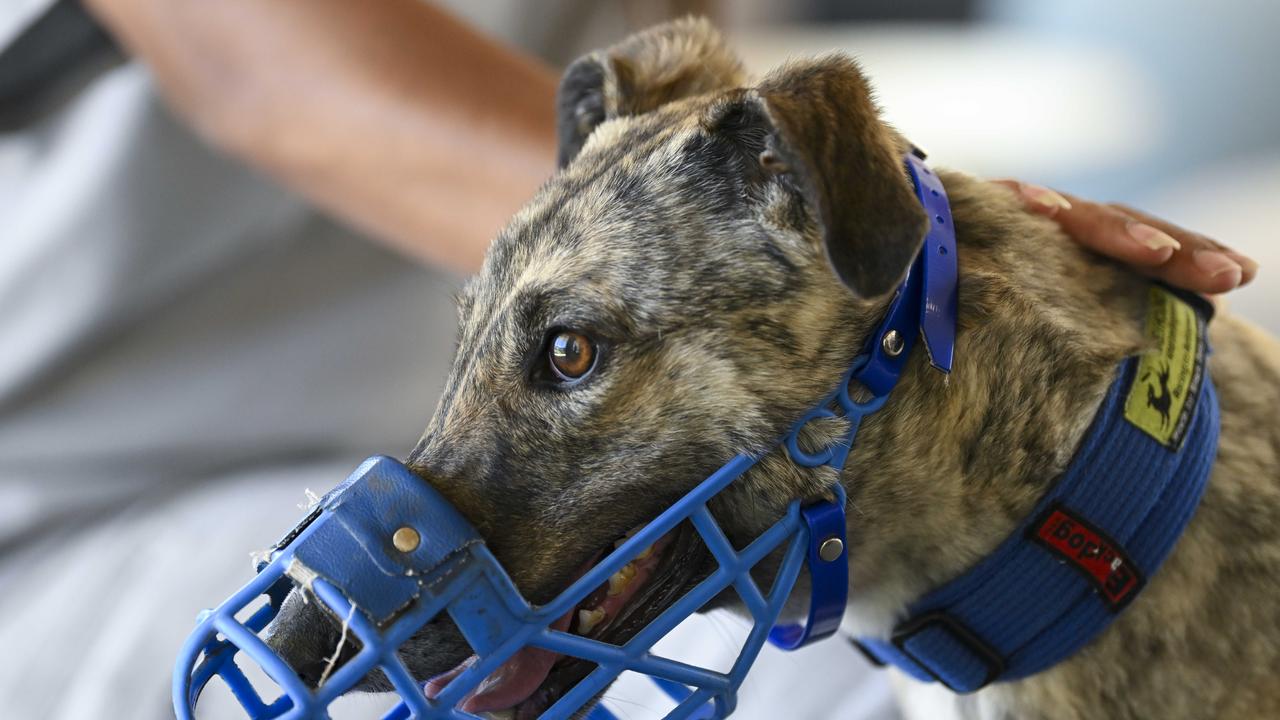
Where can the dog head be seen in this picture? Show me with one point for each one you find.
(698, 273)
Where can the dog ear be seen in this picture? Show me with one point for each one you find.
(675, 60)
(828, 136)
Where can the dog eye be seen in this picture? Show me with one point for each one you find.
(571, 354)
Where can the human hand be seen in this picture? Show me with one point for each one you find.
(1150, 245)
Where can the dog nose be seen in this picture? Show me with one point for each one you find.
(307, 639)
(310, 671)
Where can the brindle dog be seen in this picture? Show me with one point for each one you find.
(700, 271)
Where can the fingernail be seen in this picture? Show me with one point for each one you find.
(1247, 264)
(1041, 195)
(1151, 237)
(1215, 263)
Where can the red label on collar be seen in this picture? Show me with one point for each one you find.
(1086, 548)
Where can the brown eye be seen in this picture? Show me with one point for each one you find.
(572, 354)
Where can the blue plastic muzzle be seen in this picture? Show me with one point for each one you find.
(345, 555)
(353, 554)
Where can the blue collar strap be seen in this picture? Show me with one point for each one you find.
(1105, 526)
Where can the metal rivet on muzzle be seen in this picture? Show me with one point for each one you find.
(830, 549)
(892, 343)
(406, 539)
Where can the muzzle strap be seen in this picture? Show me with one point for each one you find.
(925, 305)
(927, 302)
(827, 559)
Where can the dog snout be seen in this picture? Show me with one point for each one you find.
(312, 643)
(308, 639)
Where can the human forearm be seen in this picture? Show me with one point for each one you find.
(392, 114)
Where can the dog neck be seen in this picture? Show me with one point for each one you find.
(954, 463)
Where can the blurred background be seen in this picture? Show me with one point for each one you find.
(1168, 106)
(187, 342)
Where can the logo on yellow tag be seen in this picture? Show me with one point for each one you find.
(1167, 383)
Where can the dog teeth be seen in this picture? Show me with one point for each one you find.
(643, 553)
(619, 581)
(589, 619)
(499, 715)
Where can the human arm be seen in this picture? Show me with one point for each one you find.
(394, 115)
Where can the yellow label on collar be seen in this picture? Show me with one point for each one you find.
(1163, 395)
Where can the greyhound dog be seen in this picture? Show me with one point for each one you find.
(701, 270)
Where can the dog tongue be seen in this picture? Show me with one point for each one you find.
(511, 684)
(517, 679)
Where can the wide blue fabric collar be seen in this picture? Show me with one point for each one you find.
(1105, 526)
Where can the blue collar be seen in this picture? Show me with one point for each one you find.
(1103, 528)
